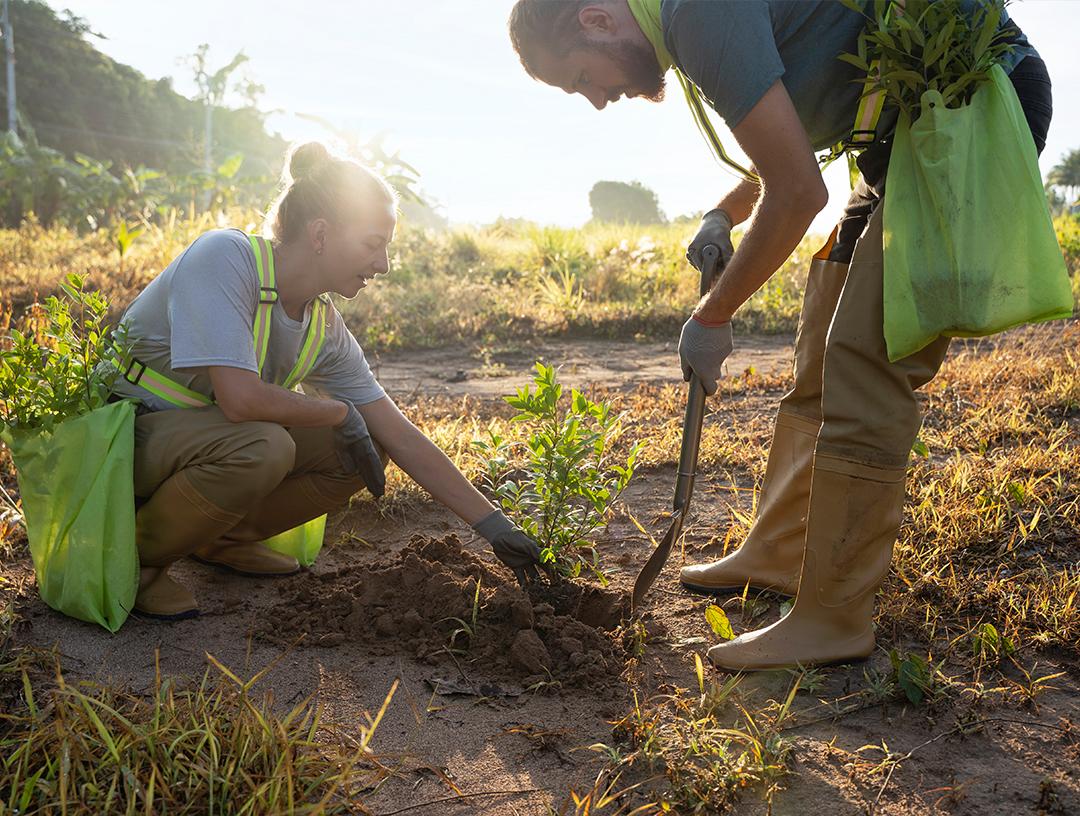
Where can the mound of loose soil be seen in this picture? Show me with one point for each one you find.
(562, 632)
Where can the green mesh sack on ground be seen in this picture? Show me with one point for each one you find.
(78, 503)
(969, 245)
(303, 543)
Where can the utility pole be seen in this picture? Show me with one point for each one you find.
(208, 142)
(9, 53)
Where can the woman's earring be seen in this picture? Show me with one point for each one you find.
(318, 251)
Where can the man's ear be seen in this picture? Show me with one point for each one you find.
(596, 20)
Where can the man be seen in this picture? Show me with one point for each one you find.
(833, 494)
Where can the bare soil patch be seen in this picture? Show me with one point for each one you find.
(472, 616)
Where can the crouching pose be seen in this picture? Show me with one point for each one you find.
(227, 455)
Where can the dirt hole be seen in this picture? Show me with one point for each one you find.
(422, 604)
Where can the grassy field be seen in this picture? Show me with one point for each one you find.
(978, 622)
(472, 285)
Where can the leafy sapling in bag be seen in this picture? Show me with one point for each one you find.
(969, 246)
(73, 452)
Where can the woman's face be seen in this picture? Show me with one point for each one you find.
(356, 252)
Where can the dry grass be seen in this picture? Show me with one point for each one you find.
(213, 747)
(467, 285)
(983, 601)
(982, 606)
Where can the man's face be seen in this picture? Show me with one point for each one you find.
(604, 70)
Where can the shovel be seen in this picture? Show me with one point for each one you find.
(691, 440)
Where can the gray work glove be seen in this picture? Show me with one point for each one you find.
(715, 229)
(357, 453)
(703, 349)
(511, 545)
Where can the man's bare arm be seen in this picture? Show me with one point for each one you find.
(739, 202)
(792, 193)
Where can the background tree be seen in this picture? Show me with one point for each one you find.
(623, 203)
(78, 100)
(1065, 176)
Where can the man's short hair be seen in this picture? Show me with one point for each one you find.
(545, 25)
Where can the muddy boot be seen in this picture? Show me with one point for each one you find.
(161, 597)
(855, 513)
(172, 524)
(249, 558)
(770, 558)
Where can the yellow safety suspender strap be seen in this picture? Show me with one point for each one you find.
(871, 104)
(704, 124)
(268, 295)
(140, 374)
(313, 342)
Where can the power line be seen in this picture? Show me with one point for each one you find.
(117, 136)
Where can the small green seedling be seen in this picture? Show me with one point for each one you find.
(561, 481)
(51, 368)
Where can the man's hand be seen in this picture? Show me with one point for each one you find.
(357, 452)
(703, 347)
(715, 229)
(511, 545)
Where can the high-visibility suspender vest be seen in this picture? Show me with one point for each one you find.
(305, 541)
(172, 392)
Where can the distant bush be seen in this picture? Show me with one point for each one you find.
(621, 203)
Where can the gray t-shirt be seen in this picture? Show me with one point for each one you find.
(734, 50)
(200, 311)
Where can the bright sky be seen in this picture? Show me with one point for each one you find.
(441, 78)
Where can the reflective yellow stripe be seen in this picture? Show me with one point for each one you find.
(264, 264)
(313, 343)
(871, 103)
(139, 374)
(701, 119)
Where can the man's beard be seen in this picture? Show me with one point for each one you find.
(638, 62)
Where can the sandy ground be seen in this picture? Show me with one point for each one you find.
(456, 371)
(521, 753)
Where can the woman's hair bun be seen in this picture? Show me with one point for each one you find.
(306, 159)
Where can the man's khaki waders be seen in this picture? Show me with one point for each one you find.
(833, 496)
(216, 489)
(832, 500)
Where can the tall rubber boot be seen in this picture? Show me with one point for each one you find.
(172, 524)
(770, 559)
(296, 500)
(855, 514)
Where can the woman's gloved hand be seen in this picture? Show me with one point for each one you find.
(511, 545)
(356, 451)
(715, 229)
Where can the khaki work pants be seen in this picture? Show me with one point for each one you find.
(242, 481)
(865, 405)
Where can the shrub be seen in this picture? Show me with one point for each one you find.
(562, 489)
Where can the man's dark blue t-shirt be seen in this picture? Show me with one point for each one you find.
(734, 50)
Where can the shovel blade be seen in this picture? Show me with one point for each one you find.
(655, 564)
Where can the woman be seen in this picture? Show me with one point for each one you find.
(226, 454)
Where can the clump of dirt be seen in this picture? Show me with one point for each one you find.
(423, 603)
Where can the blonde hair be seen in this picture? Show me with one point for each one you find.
(317, 184)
